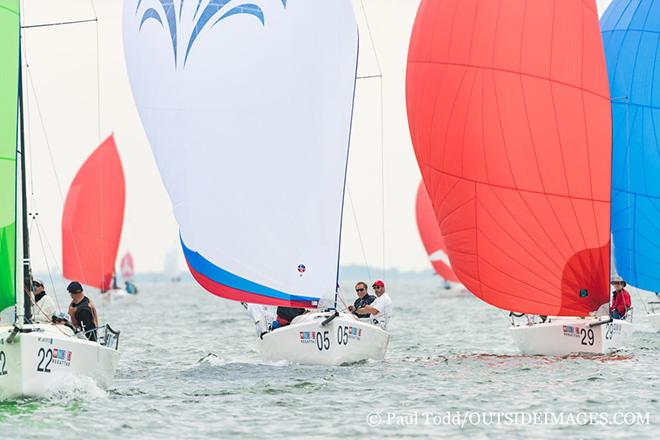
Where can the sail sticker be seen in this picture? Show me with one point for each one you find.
(301, 269)
(570, 330)
(214, 12)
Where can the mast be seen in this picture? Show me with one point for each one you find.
(23, 273)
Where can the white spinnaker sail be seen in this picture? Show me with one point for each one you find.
(247, 107)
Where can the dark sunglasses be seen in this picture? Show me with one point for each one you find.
(359, 290)
(37, 285)
(377, 287)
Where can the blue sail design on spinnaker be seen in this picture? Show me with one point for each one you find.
(631, 37)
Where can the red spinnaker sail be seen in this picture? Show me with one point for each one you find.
(427, 224)
(509, 113)
(93, 217)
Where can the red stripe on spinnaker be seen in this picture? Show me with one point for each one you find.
(227, 292)
(429, 231)
(509, 114)
(93, 217)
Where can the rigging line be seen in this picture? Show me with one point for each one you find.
(357, 226)
(369, 76)
(50, 274)
(98, 126)
(51, 157)
(382, 132)
(98, 73)
(60, 23)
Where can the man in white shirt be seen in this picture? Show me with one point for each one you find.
(381, 308)
(44, 308)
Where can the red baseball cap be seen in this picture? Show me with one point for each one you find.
(378, 283)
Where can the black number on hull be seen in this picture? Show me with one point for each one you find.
(322, 341)
(609, 331)
(342, 335)
(587, 337)
(3, 361)
(47, 357)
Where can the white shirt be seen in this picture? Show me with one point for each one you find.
(44, 310)
(383, 304)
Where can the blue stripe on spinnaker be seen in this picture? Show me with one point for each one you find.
(221, 276)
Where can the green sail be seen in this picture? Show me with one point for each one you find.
(9, 64)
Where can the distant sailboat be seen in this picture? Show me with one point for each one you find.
(171, 266)
(33, 357)
(509, 113)
(248, 112)
(630, 37)
(127, 268)
(429, 231)
(92, 221)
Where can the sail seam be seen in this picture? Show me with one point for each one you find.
(512, 188)
(513, 72)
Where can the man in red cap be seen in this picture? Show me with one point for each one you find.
(381, 308)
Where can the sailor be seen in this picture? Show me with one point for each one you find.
(44, 307)
(130, 287)
(285, 315)
(62, 318)
(381, 308)
(363, 299)
(620, 299)
(82, 311)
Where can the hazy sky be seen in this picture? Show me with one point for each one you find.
(63, 129)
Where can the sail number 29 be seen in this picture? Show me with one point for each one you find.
(587, 336)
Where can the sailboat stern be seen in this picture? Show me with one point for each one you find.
(307, 341)
(572, 335)
(50, 358)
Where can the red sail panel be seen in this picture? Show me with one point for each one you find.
(93, 217)
(429, 231)
(509, 113)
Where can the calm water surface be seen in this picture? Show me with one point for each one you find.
(190, 370)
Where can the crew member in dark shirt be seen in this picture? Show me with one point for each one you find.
(363, 299)
(82, 311)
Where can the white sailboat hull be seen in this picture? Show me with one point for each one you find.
(36, 363)
(654, 319)
(343, 340)
(562, 336)
(113, 295)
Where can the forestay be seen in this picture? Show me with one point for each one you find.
(247, 107)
